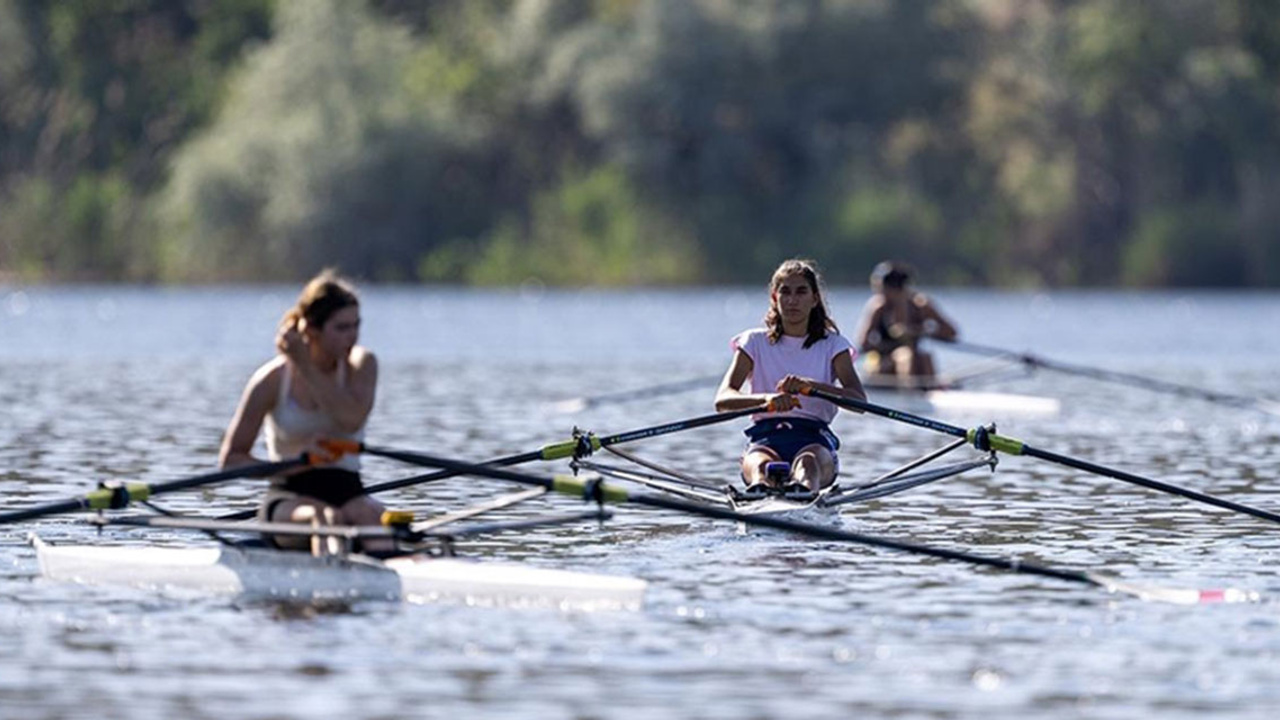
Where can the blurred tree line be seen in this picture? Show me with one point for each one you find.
(1010, 142)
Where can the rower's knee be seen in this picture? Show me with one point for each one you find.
(363, 510)
(753, 466)
(924, 364)
(904, 360)
(320, 515)
(814, 466)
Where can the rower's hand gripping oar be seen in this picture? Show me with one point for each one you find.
(600, 492)
(986, 440)
(113, 495)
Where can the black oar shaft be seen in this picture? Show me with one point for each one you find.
(827, 533)
(53, 508)
(1150, 483)
(458, 467)
(257, 470)
(555, 451)
(413, 480)
(898, 415)
(667, 429)
(105, 497)
(1115, 376)
(445, 474)
(606, 493)
(1011, 446)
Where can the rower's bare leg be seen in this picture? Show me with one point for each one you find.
(814, 467)
(364, 510)
(922, 364)
(879, 363)
(306, 511)
(753, 466)
(904, 362)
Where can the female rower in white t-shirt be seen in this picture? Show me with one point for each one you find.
(799, 347)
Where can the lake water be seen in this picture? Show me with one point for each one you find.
(138, 383)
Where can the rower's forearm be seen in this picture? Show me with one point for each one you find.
(848, 392)
(236, 459)
(729, 403)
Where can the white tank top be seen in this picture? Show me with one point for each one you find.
(292, 428)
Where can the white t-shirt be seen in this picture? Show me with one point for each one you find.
(774, 361)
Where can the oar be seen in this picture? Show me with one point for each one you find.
(120, 494)
(599, 491)
(1270, 407)
(580, 445)
(984, 439)
(578, 404)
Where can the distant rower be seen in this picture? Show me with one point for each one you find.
(894, 320)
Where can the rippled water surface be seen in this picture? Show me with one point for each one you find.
(138, 384)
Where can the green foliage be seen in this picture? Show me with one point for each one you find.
(92, 96)
(733, 117)
(871, 224)
(591, 230)
(319, 158)
(1186, 245)
(640, 141)
(83, 231)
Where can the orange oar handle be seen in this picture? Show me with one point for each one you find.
(334, 448)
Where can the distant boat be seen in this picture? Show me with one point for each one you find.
(945, 394)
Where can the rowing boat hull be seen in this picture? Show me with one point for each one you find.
(263, 574)
(780, 506)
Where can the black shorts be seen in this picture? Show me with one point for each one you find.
(331, 486)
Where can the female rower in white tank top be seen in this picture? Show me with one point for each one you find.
(799, 348)
(321, 385)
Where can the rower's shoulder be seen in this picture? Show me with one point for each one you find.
(874, 303)
(265, 382)
(269, 371)
(750, 337)
(838, 342)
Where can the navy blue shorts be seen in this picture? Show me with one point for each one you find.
(788, 436)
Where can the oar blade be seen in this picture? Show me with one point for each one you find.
(1175, 595)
